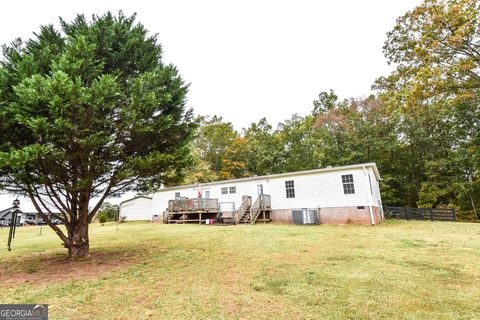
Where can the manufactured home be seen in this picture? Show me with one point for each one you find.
(6, 216)
(333, 195)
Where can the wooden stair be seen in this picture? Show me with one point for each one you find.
(243, 213)
(246, 218)
(247, 213)
(259, 211)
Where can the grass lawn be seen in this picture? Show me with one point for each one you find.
(397, 270)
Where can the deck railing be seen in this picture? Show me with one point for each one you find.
(196, 204)
(246, 204)
(263, 202)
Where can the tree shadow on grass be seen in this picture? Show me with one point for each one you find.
(53, 267)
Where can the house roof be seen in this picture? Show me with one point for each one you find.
(7, 211)
(134, 198)
(280, 175)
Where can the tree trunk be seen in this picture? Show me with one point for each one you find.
(79, 243)
(474, 208)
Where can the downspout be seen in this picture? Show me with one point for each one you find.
(369, 192)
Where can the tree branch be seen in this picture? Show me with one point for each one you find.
(57, 230)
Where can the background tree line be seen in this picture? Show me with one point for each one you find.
(421, 127)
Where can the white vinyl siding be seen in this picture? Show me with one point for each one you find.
(315, 190)
(137, 209)
(377, 200)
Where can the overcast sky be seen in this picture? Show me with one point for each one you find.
(247, 59)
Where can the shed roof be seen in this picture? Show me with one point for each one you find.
(280, 175)
(134, 198)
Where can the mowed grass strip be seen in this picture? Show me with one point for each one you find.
(396, 270)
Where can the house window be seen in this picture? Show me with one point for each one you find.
(290, 189)
(207, 194)
(233, 189)
(348, 186)
(224, 190)
(177, 195)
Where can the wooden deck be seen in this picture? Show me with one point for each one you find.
(200, 210)
(198, 216)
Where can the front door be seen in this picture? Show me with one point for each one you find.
(259, 189)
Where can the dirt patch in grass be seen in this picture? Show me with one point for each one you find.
(50, 267)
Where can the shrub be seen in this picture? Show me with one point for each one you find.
(466, 215)
(102, 218)
(109, 210)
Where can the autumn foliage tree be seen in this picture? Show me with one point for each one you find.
(88, 112)
(434, 91)
(436, 50)
(421, 127)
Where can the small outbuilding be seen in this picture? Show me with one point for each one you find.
(137, 208)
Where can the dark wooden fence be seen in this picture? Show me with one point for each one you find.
(433, 214)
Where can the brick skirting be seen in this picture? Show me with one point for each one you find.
(338, 215)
